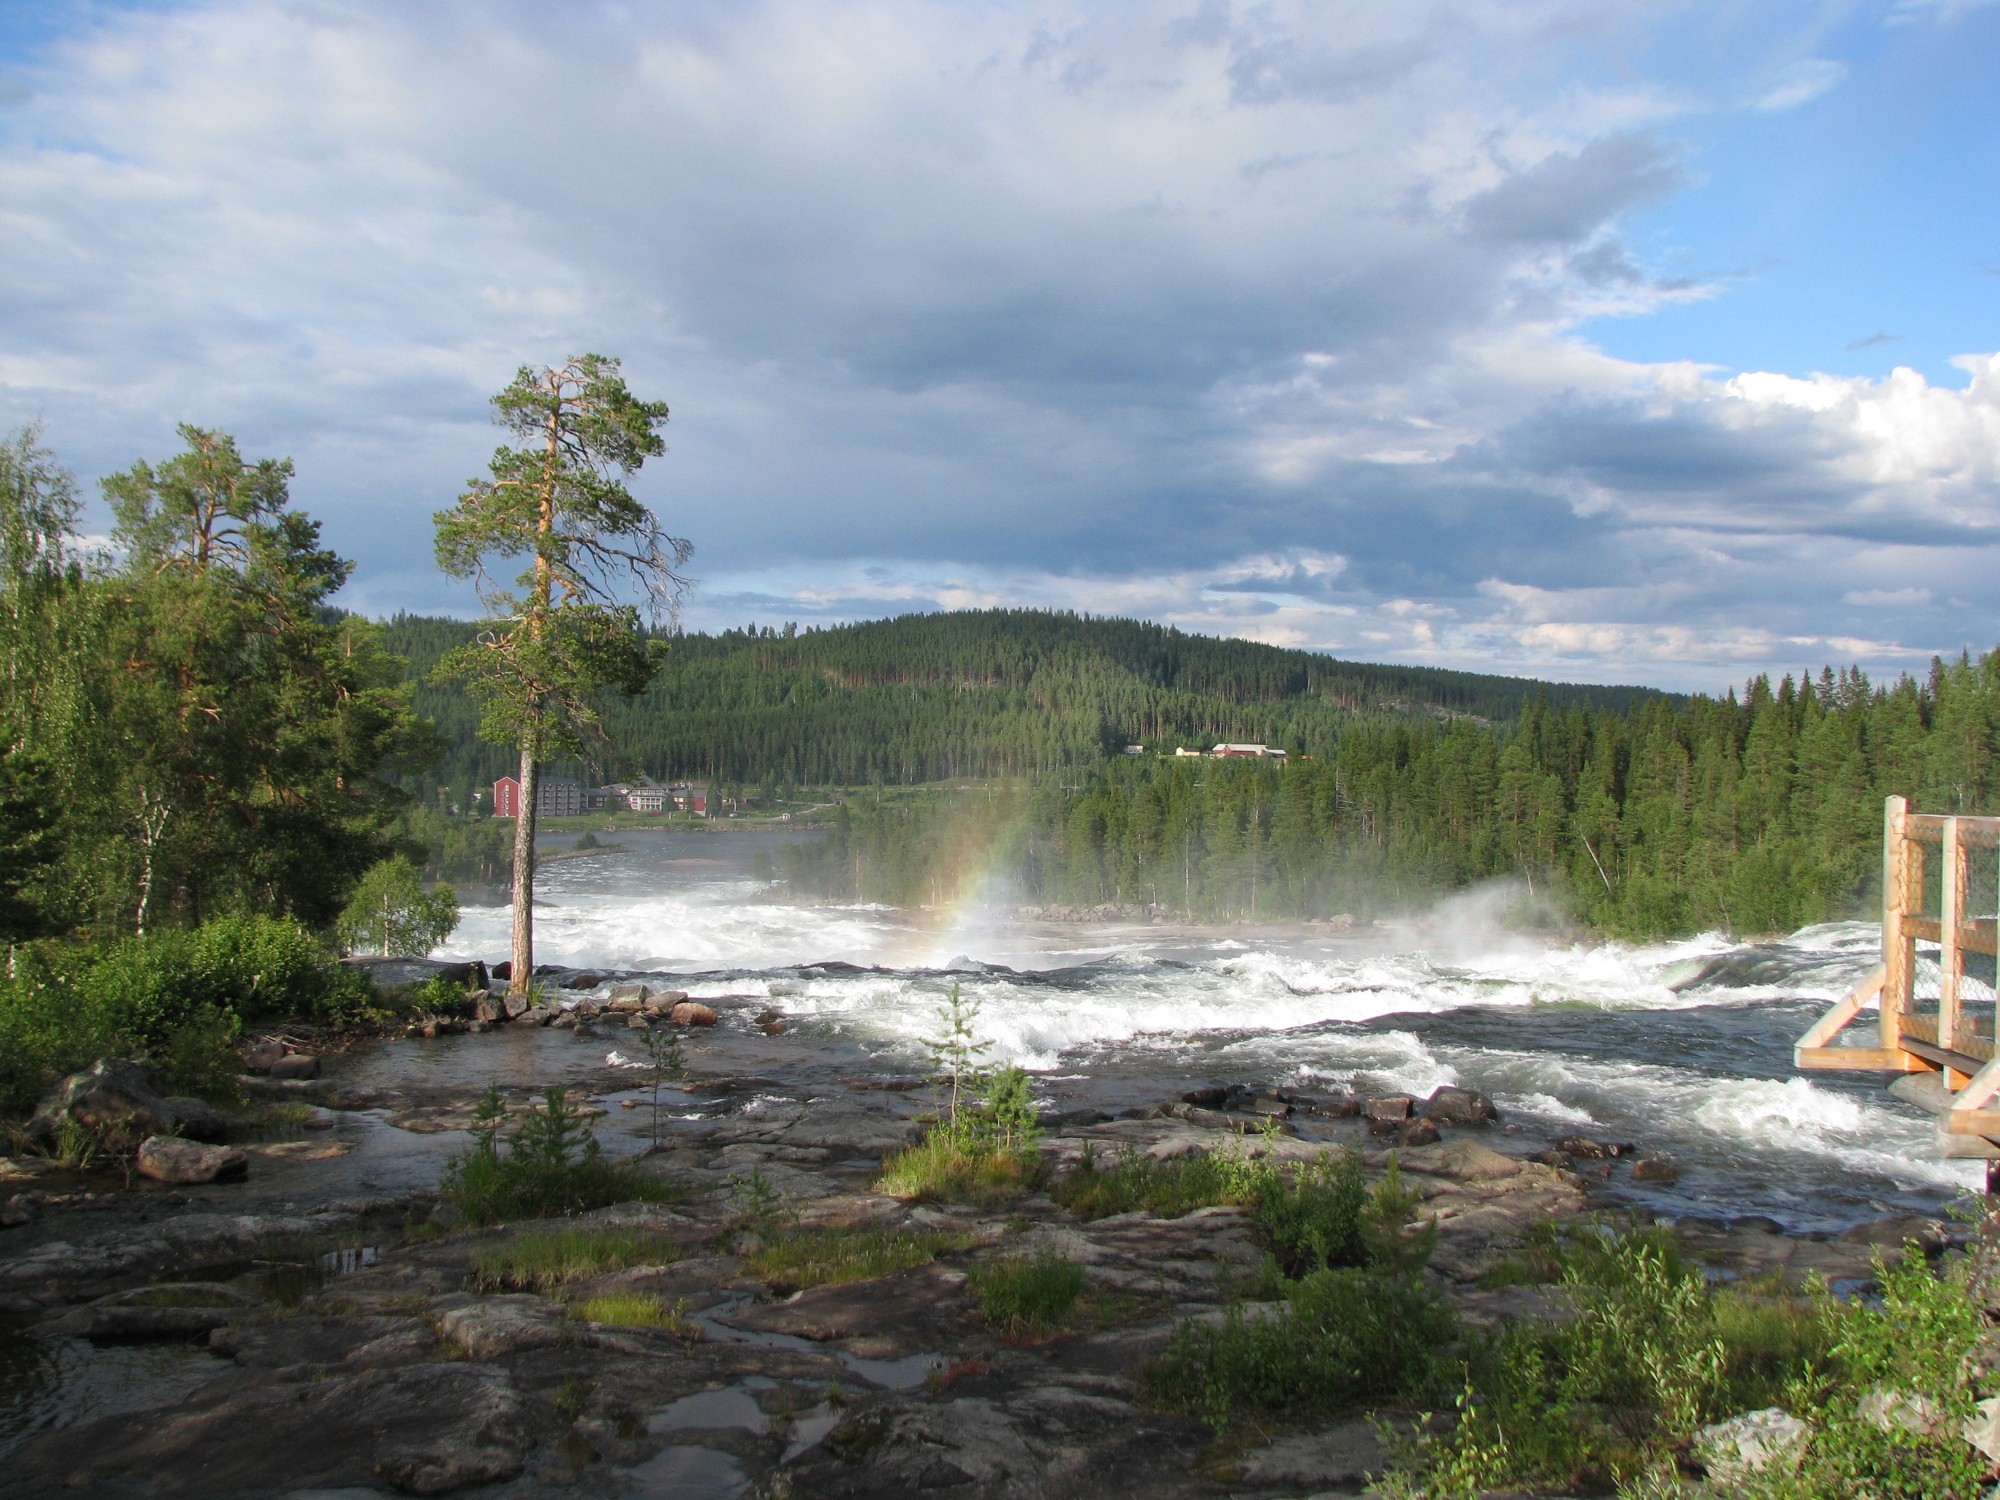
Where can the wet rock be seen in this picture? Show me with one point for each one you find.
(259, 1058)
(1212, 1097)
(583, 979)
(502, 972)
(1389, 1107)
(490, 1007)
(627, 997)
(638, 1022)
(1456, 1106)
(1735, 1450)
(424, 1429)
(1895, 1232)
(535, 1015)
(489, 1327)
(1660, 1169)
(166, 1158)
(115, 1094)
(661, 1002)
(295, 1065)
(1332, 1107)
(1583, 1148)
(514, 1003)
(771, 1022)
(1417, 1133)
(321, 1341)
(691, 1013)
(18, 1211)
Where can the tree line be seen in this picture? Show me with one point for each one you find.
(1751, 812)
(981, 693)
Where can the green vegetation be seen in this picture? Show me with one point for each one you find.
(635, 1310)
(796, 1257)
(1316, 1214)
(177, 997)
(1027, 1297)
(391, 913)
(548, 1259)
(981, 1154)
(561, 637)
(1651, 1353)
(1338, 1339)
(552, 1165)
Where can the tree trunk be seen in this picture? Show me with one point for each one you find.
(524, 879)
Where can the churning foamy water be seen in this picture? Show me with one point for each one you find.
(1682, 1047)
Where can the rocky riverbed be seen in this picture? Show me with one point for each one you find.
(333, 1338)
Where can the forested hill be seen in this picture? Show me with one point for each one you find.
(989, 692)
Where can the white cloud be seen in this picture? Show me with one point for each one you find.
(1801, 83)
(1262, 322)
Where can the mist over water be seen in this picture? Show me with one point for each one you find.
(1682, 1047)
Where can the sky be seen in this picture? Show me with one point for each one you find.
(1599, 340)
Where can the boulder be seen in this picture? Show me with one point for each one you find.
(1418, 1132)
(638, 1022)
(1389, 1107)
(691, 1013)
(1456, 1106)
(1212, 1097)
(295, 1065)
(166, 1158)
(1660, 1169)
(1585, 1149)
(515, 1003)
(502, 972)
(199, 1120)
(1269, 1104)
(661, 1002)
(535, 1015)
(1734, 1450)
(116, 1094)
(636, 994)
(583, 979)
(260, 1057)
(771, 1022)
(492, 1327)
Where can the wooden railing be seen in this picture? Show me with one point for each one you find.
(1954, 1044)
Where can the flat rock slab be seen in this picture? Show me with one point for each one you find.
(490, 1327)
(425, 1429)
(320, 1341)
(884, 1319)
(1343, 1457)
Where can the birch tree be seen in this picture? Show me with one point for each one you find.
(562, 631)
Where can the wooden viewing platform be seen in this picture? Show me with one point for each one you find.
(1937, 1022)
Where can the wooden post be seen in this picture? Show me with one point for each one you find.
(1951, 959)
(1898, 952)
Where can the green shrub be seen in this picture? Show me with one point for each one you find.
(391, 913)
(167, 996)
(1653, 1353)
(201, 1057)
(552, 1166)
(544, 1260)
(1027, 1297)
(793, 1259)
(1341, 1337)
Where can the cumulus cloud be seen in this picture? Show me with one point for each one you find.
(1262, 318)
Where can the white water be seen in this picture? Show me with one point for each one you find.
(1605, 1039)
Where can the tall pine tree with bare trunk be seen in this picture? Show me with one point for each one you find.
(563, 631)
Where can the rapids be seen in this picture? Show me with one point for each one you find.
(1683, 1048)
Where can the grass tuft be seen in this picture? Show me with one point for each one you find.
(956, 1168)
(1028, 1297)
(798, 1257)
(635, 1310)
(1340, 1337)
(545, 1260)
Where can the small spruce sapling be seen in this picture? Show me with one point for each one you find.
(955, 1057)
(664, 1064)
(1010, 1110)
